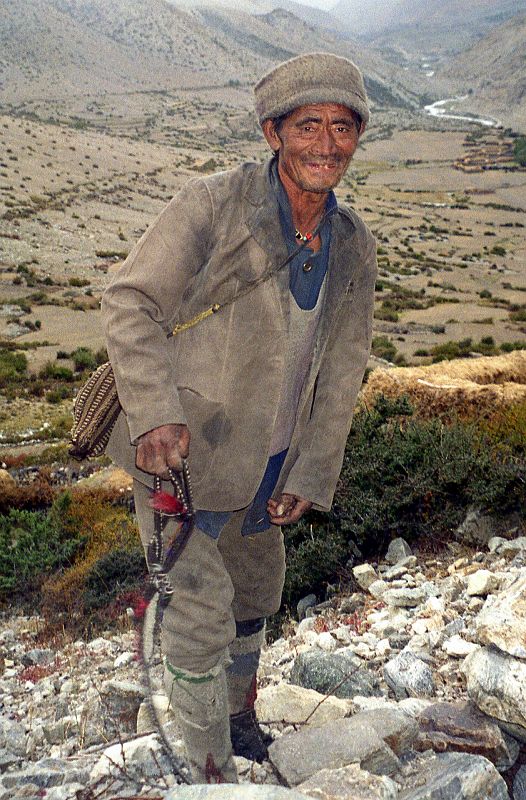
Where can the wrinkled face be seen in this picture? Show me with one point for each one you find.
(315, 144)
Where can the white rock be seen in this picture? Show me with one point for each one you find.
(502, 622)
(383, 648)
(294, 704)
(377, 588)
(415, 705)
(327, 642)
(305, 625)
(494, 543)
(397, 550)
(458, 647)
(364, 575)
(481, 583)
(362, 703)
(363, 650)
(124, 659)
(496, 683)
(419, 626)
(512, 546)
(404, 598)
(435, 604)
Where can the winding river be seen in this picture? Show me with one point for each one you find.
(442, 108)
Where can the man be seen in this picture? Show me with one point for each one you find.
(259, 396)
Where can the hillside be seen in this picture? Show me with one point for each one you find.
(124, 66)
(493, 72)
(51, 48)
(425, 26)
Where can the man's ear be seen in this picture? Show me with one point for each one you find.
(270, 135)
(362, 128)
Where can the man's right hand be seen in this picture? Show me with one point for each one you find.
(163, 448)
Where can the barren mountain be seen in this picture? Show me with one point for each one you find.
(75, 48)
(51, 47)
(493, 73)
(427, 27)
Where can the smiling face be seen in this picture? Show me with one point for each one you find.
(315, 144)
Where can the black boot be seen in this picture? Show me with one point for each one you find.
(247, 737)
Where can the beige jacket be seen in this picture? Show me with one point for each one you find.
(223, 376)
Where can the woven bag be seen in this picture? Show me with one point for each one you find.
(95, 413)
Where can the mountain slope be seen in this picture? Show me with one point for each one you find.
(53, 48)
(494, 73)
(426, 26)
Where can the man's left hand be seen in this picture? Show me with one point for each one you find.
(289, 508)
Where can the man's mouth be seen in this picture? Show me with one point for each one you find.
(322, 167)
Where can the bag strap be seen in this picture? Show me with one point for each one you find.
(213, 309)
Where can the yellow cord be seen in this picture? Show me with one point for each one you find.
(183, 326)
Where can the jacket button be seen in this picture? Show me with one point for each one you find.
(307, 266)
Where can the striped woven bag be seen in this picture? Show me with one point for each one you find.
(95, 412)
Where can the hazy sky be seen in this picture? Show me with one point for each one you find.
(325, 4)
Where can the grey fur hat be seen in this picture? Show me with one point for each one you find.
(311, 78)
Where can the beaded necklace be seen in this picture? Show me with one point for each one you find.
(302, 237)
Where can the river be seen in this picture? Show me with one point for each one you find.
(441, 108)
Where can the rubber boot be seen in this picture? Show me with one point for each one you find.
(245, 733)
(200, 705)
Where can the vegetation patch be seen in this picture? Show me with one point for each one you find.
(404, 477)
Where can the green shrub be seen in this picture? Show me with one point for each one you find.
(58, 394)
(402, 477)
(498, 250)
(519, 151)
(386, 313)
(32, 545)
(518, 314)
(13, 366)
(383, 347)
(83, 358)
(79, 282)
(508, 347)
(449, 350)
(112, 575)
(55, 372)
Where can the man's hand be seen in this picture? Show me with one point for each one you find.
(289, 508)
(162, 448)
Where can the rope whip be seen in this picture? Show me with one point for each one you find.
(159, 590)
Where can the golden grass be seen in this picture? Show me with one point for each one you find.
(463, 388)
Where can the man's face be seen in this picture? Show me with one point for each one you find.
(315, 143)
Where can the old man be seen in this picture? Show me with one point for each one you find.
(258, 396)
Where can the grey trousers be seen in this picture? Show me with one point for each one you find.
(216, 584)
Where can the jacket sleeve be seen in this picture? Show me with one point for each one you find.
(315, 473)
(142, 302)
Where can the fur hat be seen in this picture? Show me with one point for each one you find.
(311, 78)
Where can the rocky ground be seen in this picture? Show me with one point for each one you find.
(411, 688)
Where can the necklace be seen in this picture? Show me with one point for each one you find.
(302, 237)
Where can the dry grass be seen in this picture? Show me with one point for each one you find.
(462, 388)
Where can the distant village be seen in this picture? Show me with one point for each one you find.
(488, 153)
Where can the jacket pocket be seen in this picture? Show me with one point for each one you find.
(210, 430)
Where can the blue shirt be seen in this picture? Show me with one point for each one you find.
(305, 287)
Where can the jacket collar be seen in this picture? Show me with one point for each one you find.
(261, 213)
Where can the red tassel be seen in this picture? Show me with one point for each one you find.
(166, 503)
(140, 607)
(212, 773)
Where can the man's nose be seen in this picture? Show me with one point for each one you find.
(325, 143)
